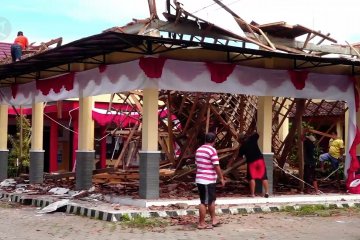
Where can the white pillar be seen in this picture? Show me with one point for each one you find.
(264, 128)
(4, 152)
(85, 155)
(36, 152)
(149, 155)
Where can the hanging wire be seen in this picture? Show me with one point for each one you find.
(71, 116)
(292, 175)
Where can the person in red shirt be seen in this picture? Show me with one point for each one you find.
(21, 43)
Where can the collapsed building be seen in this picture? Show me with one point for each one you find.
(176, 80)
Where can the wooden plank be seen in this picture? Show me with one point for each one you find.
(326, 49)
(101, 175)
(182, 174)
(164, 148)
(290, 49)
(219, 117)
(207, 120)
(267, 39)
(288, 143)
(122, 154)
(300, 104)
(320, 133)
(99, 181)
(226, 8)
(126, 132)
(356, 51)
(130, 154)
(318, 33)
(194, 134)
(137, 103)
(111, 102)
(192, 112)
(170, 129)
(182, 104)
(236, 165)
(103, 170)
(308, 38)
(284, 117)
(166, 172)
(57, 176)
(247, 26)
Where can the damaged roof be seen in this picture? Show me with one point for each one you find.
(184, 36)
(5, 50)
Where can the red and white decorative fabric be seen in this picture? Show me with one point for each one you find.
(170, 74)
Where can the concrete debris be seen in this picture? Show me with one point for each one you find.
(8, 183)
(179, 206)
(80, 194)
(20, 190)
(53, 207)
(59, 191)
(22, 185)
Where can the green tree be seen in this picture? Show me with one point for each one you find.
(19, 157)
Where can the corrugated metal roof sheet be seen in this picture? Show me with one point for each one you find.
(4, 49)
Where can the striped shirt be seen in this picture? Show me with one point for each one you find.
(206, 157)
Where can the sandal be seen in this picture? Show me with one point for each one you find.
(204, 227)
(216, 224)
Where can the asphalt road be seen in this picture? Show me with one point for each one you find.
(22, 222)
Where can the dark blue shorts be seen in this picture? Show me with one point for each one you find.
(16, 52)
(207, 193)
(327, 157)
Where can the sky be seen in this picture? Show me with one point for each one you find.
(43, 20)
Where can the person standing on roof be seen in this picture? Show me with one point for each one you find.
(21, 43)
(207, 173)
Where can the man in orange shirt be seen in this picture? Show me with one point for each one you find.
(21, 43)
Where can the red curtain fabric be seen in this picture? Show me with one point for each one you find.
(75, 142)
(298, 78)
(123, 120)
(356, 94)
(152, 67)
(103, 149)
(14, 90)
(357, 99)
(354, 165)
(53, 166)
(102, 68)
(220, 72)
(66, 81)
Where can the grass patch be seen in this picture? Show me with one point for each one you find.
(112, 227)
(9, 204)
(289, 209)
(318, 210)
(142, 222)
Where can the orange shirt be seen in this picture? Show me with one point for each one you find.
(22, 41)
